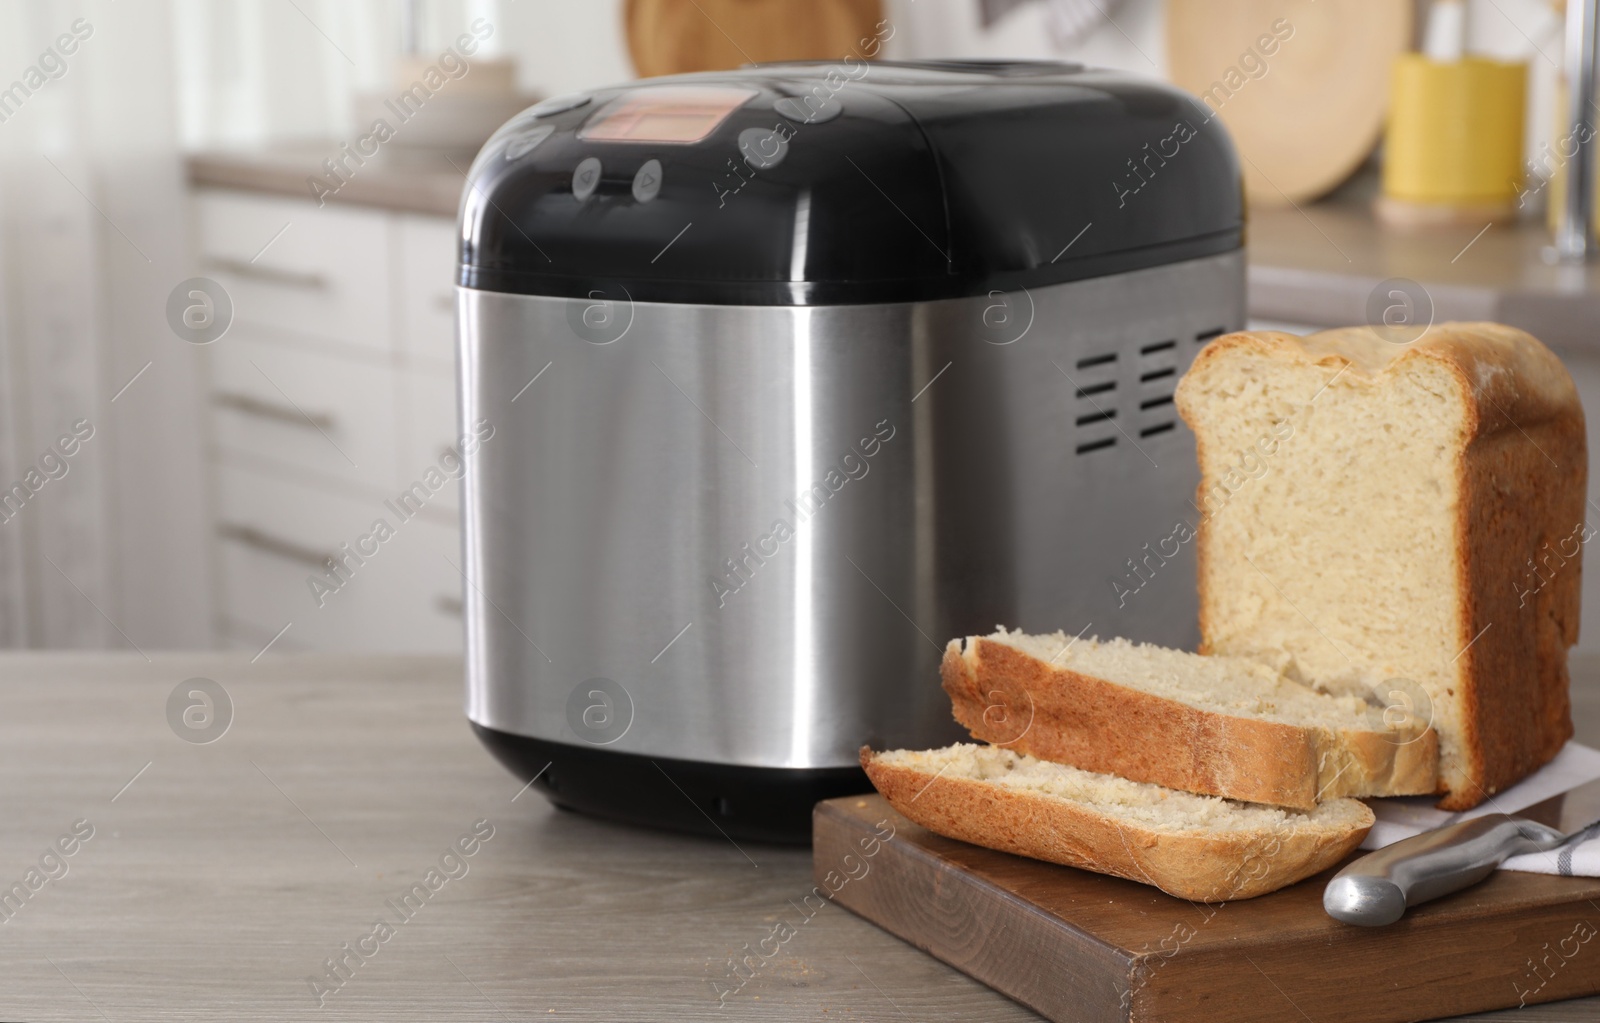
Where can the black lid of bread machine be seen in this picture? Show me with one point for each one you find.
(911, 181)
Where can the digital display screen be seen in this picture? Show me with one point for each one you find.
(665, 113)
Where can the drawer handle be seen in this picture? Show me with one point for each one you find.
(269, 274)
(269, 544)
(448, 605)
(250, 405)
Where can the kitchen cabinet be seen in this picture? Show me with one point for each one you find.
(332, 392)
(316, 272)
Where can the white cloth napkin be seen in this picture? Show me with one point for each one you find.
(1576, 764)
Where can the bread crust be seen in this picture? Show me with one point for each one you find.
(1524, 480)
(1195, 865)
(1523, 467)
(1011, 699)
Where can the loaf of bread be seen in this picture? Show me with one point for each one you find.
(1399, 517)
(1194, 847)
(1220, 726)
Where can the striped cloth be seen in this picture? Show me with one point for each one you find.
(1577, 859)
(1575, 765)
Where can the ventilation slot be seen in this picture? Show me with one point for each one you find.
(1208, 335)
(1159, 366)
(1095, 402)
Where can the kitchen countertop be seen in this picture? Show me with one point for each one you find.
(411, 180)
(219, 877)
(1319, 264)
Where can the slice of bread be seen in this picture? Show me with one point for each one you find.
(1400, 515)
(1194, 847)
(1220, 726)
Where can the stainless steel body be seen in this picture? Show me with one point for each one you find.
(762, 523)
(1378, 888)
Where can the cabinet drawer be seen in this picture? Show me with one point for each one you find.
(428, 294)
(311, 411)
(430, 428)
(273, 536)
(288, 264)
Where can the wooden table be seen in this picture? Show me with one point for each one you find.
(220, 877)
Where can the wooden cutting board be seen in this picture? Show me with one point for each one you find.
(1302, 85)
(1087, 948)
(669, 37)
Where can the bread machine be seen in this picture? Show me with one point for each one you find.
(780, 378)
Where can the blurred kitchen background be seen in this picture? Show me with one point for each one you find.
(177, 493)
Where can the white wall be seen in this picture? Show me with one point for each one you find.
(566, 46)
(260, 70)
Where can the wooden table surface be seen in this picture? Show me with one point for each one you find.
(221, 877)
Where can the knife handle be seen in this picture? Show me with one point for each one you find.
(1378, 888)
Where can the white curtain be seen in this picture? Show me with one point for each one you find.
(102, 546)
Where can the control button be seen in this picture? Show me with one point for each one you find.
(526, 142)
(586, 179)
(809, 109)
(559, 104)
(763, 148)
(647, 183)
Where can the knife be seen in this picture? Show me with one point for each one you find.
(1378, 888)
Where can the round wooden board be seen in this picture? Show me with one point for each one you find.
(1305, 116)
(668, 37)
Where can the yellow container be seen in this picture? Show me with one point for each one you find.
(1455, 131)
